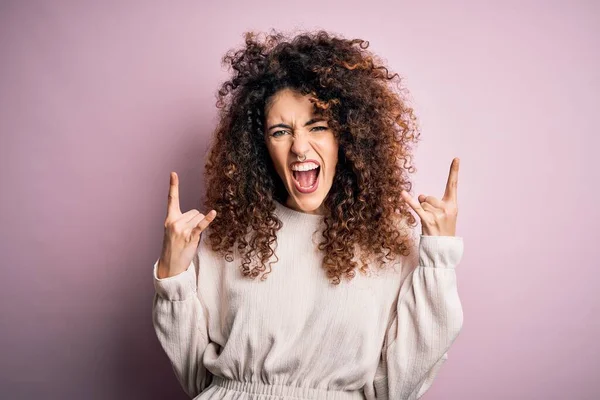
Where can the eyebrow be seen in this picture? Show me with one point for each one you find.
(309, 122)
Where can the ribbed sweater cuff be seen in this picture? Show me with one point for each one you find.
(440, 251)
(177, 287)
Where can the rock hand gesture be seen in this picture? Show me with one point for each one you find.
(182, 234)
(438, 218)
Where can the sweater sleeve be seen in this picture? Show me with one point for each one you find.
(427, 319)
(181, 327)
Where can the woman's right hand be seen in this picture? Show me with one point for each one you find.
(182, 234)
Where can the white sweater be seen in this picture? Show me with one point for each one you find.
(296, 335)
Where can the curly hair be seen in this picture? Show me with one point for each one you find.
(374, 126)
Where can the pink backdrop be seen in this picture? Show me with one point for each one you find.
(100, 100)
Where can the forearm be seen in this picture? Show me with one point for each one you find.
(180, 325)
(428, 319)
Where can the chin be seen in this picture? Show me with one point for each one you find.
(307, 200)
(308, 203)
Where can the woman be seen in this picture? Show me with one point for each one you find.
(307, 182)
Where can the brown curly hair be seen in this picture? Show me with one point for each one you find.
(370, 117)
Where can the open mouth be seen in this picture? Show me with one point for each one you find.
(306, 181)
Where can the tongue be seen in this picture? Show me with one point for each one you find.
(307, 178)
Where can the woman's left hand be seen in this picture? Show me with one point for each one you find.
(438, 218)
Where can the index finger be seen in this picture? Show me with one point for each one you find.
(173, 209)
(451, 192)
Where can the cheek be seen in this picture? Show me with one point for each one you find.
(329, 148)
(279, 160)
(334, 154)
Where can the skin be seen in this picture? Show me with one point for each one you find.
(182, 230)
(291, 110)
(317, 141)
(438, 217)
(182, 234)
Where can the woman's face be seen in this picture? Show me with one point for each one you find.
(292, 130)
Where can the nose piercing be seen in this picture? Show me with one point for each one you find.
(303, 157)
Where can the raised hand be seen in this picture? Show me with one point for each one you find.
(438, 217)
(182, 234)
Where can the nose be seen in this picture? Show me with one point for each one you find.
(300, 146)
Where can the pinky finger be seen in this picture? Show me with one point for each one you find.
(204, 222)
(415, 205)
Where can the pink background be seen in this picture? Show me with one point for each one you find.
(99, 101)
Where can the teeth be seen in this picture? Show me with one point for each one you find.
(297, 181)
(304, 167)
